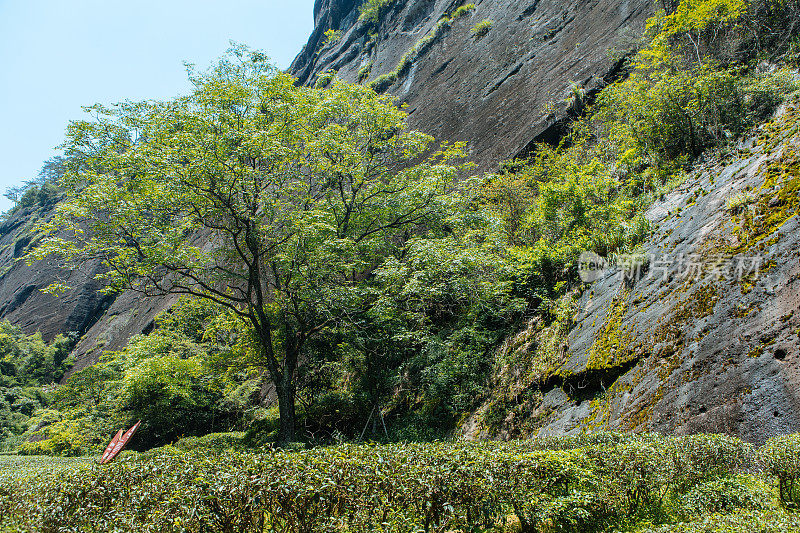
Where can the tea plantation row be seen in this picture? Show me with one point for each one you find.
(603, 482)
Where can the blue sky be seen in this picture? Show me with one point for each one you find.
(59, 55)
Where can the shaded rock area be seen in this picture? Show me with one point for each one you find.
(21, 298)
(499, 92)
(705, 339)
(101, 321)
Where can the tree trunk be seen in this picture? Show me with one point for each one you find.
(285, 390)
(281, 375)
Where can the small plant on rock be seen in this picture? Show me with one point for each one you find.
(482, 28)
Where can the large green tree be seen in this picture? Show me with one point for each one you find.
(275, 201)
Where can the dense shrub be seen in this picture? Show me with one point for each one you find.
(372, 11)
(781, 458)
(396, 488)
(463, 11)
(213, 441)
(586, 484)
(726, 495)
(174, 397)
(167, 378)
(702, 458)
(29, 367)
(482, 28)
(737, 522)
(382, 83)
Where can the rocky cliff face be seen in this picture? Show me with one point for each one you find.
(499, 92)
(100, 321)
(21, 299)
(699, 332)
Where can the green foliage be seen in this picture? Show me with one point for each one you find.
(173, 397)
(482, 28)
(736, 522)
(463, 11)
(364, 72)
(304, 192)
(53, 434)
(332, 36)
(781, 458)
(657, 116)
(217, 442)
(167, 378)
(587, 484)
(691, 87)
(42, 191)
(727, 495)
(325, 79)
(739, 201)
(372, 11)
(28, 369)
(723, 32)
(42, 195)
(447, 300)
(27, 360)
(382, 83)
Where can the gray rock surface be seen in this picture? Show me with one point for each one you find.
(499, 92)
(21, 298)
(692, 345)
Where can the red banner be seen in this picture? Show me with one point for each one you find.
(110, 447)
(118, 443)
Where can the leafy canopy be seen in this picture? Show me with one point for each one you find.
(273, 201)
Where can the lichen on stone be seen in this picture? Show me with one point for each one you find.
(611, 347)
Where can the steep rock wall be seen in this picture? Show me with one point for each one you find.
(499, 92)
(100, 321)
(707, 337)
(21, 298)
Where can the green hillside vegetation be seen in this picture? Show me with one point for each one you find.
(29, 371)
(42, 192)
(346, 279)
(369, 295)
(169, 379)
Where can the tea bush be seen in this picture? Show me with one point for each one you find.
(584, 484)
(737, 522)
(726, 495)
(781, 458)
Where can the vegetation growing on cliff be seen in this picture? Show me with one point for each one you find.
(40, 192)
(370, 284)
(692, 87)
(372, 11)
(383, 82)
(482, 28)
